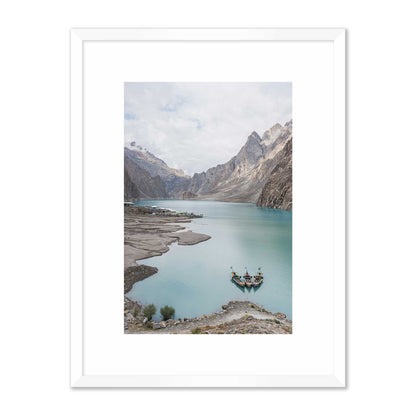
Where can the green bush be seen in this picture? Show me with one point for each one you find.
(196, 330)
(149, 311)
(167, 312)
(149, 325)
(135, 312)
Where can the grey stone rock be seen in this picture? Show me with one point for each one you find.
(277, 192)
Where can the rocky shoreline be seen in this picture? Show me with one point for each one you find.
(135, 274)
(235, 317)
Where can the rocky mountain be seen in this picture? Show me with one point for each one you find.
(261, 173)
(277, 192)
(242, 178)
(270, 136)
(174, 180)
(189, 195)
(139, 184)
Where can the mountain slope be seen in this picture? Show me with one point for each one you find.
(138, 183)
(277, 192)
(174, 180)
(242, 178)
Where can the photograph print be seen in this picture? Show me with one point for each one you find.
(208, 208)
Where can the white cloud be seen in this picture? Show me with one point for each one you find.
(194, 126)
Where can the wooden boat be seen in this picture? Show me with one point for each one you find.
(237, 281)
(258, 278)
(247, 279)
(236, 278)
(257, 281)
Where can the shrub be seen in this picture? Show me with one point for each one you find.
(135, 312)
(196, 330)
(149, 311)
(149, 325)
(167, 312)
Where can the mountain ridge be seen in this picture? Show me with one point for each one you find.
(243, 178)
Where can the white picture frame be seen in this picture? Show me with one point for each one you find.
(328, 377)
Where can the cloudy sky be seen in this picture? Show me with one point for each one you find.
(194, 126)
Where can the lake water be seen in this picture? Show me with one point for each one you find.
(196, 280)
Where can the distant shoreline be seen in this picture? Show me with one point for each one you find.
(205, 200)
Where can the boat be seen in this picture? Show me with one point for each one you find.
(258, 278)
(236, 278)
(247, 279)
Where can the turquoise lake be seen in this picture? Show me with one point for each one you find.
(196, 280)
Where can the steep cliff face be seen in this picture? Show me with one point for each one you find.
(174, 180)
(277, 192)
(242, 178)
(131, 191)
(139, 184)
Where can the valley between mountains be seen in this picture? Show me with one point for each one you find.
(260, 173)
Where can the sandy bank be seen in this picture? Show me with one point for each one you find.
(148, 236)
(189, 238)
